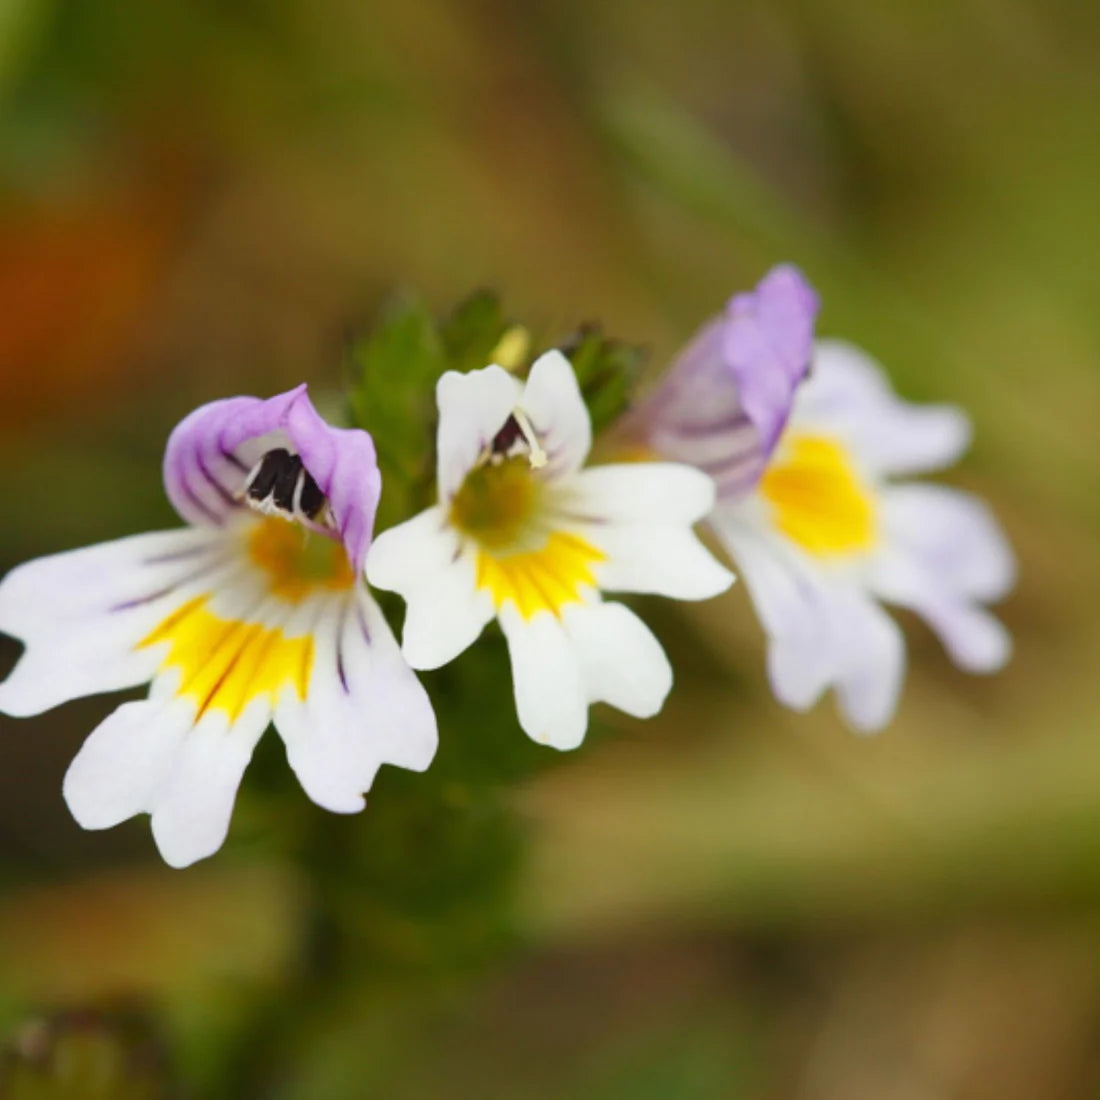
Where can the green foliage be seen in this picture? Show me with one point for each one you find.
(607, 371)
(394, 369)
(473, 331)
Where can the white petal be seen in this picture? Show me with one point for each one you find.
(191, 811)
(551, 698)
(955, 537)
(872, 662)
(847, 394)
(403, 716)
(800, 667)
(823, 629)
(842, 375)
(781, 590)
(82, 614)
(89, 658)
(364, 708)
(664, 561)
(650, 492)
(787, 599)
(445, 615)
(422, 560)
(126, 760)
(621, 661)
(401, 557)
(553, 403)
(975, 639)
(473, 407)
(95, 579)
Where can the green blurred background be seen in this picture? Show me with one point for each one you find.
(202, 198)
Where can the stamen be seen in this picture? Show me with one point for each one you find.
(536, 455)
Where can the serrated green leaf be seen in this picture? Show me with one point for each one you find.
(394, 370)
(473, 330)
(607, 372)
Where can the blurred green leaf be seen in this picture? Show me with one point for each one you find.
(392, 394)
(607, 372)
(21, 22)
(473, 331)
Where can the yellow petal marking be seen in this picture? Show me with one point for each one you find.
(298, 562)
(540, 580)
(225, 663)
(819, 500)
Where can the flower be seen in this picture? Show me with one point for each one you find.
(522, 533)
(804, 460)
(255, 611)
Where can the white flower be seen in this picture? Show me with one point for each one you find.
(524, 534)
(256, 612)
(828, 532)
(809, 508)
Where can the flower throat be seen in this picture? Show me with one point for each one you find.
(500, 496)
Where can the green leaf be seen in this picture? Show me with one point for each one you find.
(394, 369)
(472, 332)
(23, 26)
(607, 372)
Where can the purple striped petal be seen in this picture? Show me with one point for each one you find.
(767, 343)
(726, 398)
(211, 451)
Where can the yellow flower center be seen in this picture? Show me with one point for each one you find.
(497, 502)
(297, 561)
(224, 663)
(501, 506)
(819, 500)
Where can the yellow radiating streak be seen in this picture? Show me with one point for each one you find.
(540, 580)
(225, 664)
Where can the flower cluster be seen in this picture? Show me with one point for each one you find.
(258, 611)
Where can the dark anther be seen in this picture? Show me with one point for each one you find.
(286, 481)
(312, 499)
(280, 483)
(263, 480)
(507, 437)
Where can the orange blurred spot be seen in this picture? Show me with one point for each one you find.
(74, 283)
